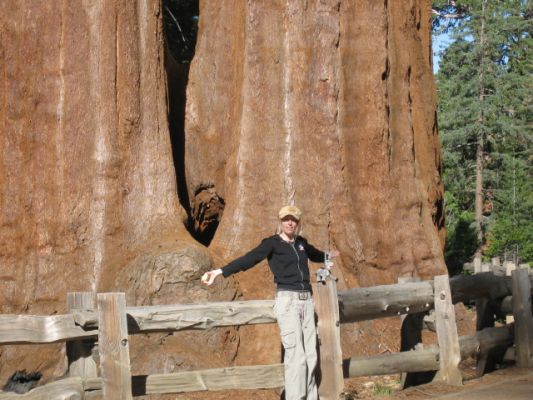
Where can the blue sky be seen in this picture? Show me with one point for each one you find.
(440, 42)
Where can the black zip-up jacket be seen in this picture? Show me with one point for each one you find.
(289, 262)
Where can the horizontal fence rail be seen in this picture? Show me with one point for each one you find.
(426, 359)
(248, 377)
(27, 329)
(362, 304)
(190, 316)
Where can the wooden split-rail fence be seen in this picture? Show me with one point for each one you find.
(108, 325)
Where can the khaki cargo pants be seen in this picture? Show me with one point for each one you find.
(296, 319)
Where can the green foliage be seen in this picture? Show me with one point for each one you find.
(485, 95)
(511, 231)
(446, 14)
(382, 390)
(461, 238)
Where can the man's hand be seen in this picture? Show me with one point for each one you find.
(209, 277)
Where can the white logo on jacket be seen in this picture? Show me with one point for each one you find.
(301, 247)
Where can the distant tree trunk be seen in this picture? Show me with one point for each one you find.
(480, 141)
(329, 105)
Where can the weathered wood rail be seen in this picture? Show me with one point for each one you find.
(27, 329)
(111, 322)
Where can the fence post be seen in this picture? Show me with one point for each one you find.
(522, 317)
(327, 309)
(495, 265)
(114, 346)
(80, 352)
(477, 265)
(485, 319)
(509, 268)
(449, 350)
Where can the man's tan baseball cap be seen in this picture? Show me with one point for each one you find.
(290, 210)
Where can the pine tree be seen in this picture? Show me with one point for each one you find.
(511, 233)
(511, 225)
(485, 122)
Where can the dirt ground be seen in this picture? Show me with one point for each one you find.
(506, 383)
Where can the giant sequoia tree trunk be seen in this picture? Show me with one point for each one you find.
(329, 105)
(326, 104)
